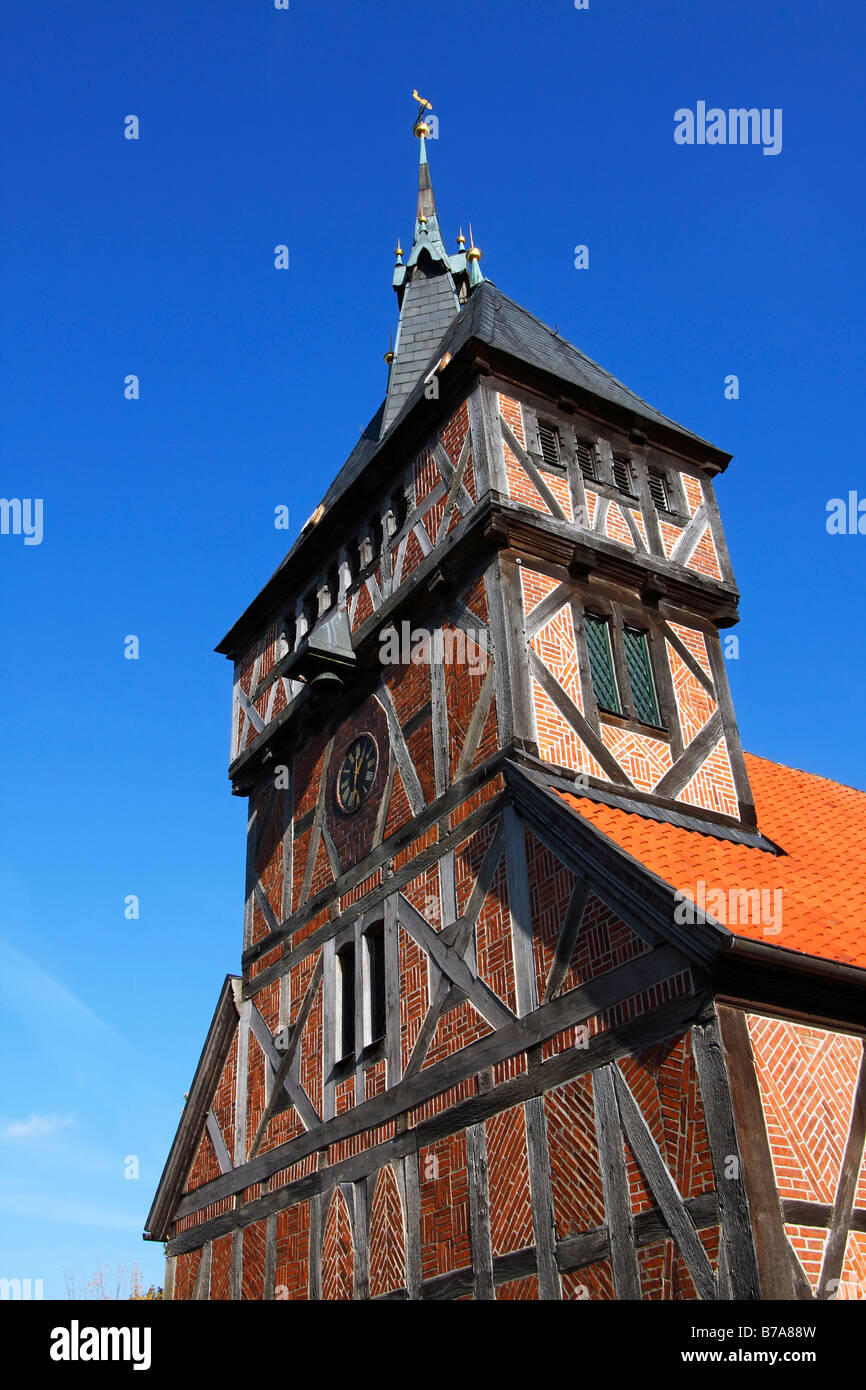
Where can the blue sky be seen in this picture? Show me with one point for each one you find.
(155, 257)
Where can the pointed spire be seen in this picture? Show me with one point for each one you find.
(426, 200)
(430, 286)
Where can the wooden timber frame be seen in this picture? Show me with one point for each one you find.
(711, 978)
(758, 1260)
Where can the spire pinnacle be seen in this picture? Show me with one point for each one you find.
(473, 256)
(426, 201)
(431, 285)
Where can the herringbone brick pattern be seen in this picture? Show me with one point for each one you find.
(591, 1282)
(293, 1252)
(694, 706)
(221, 1269)
(704, 558)
(494, 950)
(554, 644)
(253, 1280)
(616, 528)
(693, 492)
(414, 991)
(185, 1270)
(550, 888)
(578, 1203)
(644, 759)
(807, 1079)
(696, 644)
(387, 1240)
(508, 1176)
(444, 1206)
(337, 1252)
(519, 1290)
(664, 1082)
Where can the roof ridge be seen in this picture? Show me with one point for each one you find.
(805, 772)
(607, 375)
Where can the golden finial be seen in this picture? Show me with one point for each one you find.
(461, 240)
(422, 219)
(389, 357)
(399, 252)
(421, 127)
(473, 254)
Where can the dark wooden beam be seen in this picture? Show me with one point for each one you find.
(780, 1272)
(668, 1020)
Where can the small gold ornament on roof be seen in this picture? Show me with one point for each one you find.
(421, 128)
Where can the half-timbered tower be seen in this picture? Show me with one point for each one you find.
(547, 990)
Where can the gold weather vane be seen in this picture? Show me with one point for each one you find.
(421, 127)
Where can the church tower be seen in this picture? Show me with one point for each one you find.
(477, 1048)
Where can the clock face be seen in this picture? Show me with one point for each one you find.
(357, 773)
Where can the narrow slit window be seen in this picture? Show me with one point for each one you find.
(622, 473)
(399, 509)
(333, 581)
(374, 946)
(353, 555)
(659, 490)
(585, 460)
(548, 440)
(601, 663)
(311, 609)
(643, 691)
(346, 1002)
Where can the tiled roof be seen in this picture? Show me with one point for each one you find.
(821, 826)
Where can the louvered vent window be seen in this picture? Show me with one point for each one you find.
(601, 663)
(622, 473)
(659, 489)
(548, 439)
(643, 692)
(585, 459)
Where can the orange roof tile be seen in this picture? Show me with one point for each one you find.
(820, 824)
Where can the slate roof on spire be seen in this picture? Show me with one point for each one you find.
(427, 294)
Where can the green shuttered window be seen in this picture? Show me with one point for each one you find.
(640, 675)
(601, 663)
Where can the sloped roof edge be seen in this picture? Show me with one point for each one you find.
(194, 1115)
(491, 318)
